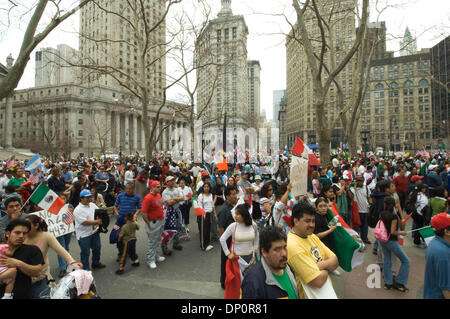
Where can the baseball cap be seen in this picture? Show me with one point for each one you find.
(152, 183)
(85, 193)
(257, 177)
(431, 167)
(415, 178)
(440, 221)
(169, 178)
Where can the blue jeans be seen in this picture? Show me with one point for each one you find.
(64, 240)
(364, 228)
(86, 244)
(40, 289)
(392, 246)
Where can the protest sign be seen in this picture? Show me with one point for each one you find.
(299, 176)
(59, 224)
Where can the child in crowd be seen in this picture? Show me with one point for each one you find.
(7, 275)
(127, 243)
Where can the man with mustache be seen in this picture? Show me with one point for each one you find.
(270, 278)
(27, 259)
(309, 258)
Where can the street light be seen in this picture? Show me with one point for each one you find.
(365, 135)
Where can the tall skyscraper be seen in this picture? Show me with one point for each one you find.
(408, 45)
(53, 66)
(111, 38)
(278, 96)
(440, 71)
(254, 93)
(301, 118)
(224, 87)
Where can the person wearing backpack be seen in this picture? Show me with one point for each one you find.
(393, 222)
(377, 196)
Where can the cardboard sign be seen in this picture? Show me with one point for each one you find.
(60, 224)
(299, 176)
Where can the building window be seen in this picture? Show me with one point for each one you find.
(80, 133)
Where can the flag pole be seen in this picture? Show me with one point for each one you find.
(409, 231)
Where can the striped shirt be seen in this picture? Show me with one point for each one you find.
(127, 203)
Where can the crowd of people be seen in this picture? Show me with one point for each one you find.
(259, 226)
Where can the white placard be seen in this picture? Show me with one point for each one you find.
(299, 176)
(56, 225)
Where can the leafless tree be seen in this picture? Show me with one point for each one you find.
(31, 38)
(324, 72)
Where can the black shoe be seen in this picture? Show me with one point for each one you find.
(62, 273)
(119, 272)
(368, 242)
(98, 266)
(388, 287)
(135, 264)
(374, 252)
(177, 247)
(400, 287)
(166, 251)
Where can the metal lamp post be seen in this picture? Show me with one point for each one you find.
(364, 134)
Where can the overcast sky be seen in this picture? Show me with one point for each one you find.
(427, 19)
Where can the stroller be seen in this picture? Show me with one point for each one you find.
(76, 284)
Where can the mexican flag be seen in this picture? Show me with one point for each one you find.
(427, 234)
(198, 209)
(47, 199)
(348, 251)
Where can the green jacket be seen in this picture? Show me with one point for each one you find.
(438, 205)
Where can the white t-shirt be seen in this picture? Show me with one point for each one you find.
(82, 213)
(185, 191)
(335, 162)
(245, 239)
(172, 193)
(207, 202)
(361, 198)
(195, 170)
(257, 188)
(3, 183)
(361, 170)
(129, 177)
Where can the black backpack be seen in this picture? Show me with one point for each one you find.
(373, 217)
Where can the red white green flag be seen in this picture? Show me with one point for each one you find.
(47, 199)
(349, 251)
(198, 209)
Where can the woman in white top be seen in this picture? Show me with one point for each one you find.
(245, 236)
(186, 205)
(206, 201)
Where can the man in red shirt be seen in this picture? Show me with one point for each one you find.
(153, 215)
(401, 185)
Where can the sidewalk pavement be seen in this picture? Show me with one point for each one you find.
(354, 285)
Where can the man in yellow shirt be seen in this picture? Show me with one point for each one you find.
(308, 257)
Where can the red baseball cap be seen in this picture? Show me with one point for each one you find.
(440, 221)
(415, 178)
(152, 183)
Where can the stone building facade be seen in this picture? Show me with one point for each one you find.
(76, 119)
